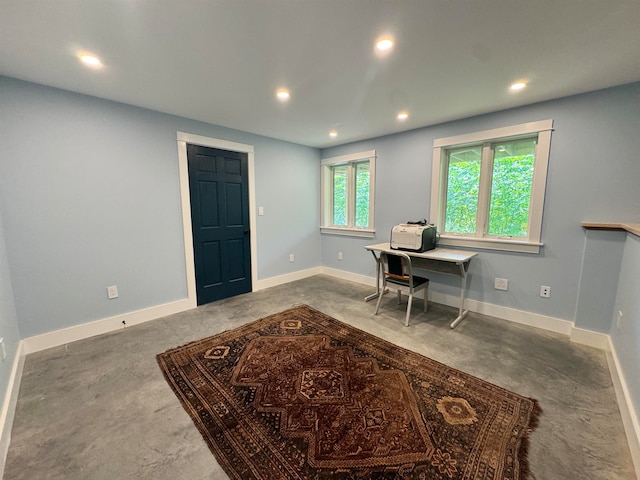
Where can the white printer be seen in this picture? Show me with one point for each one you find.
(413, 237)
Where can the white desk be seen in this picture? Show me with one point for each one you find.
(441, 260)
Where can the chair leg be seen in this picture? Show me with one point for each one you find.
(426, 297)
(399, 297)
(380, 294)
(406, 320)
(378, 303)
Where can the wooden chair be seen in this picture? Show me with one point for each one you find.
(396, 270)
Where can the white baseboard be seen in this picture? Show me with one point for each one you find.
(286, 278)
(518, 316)
(590, 338)
(86, 330)
(9, 404)
(627, 411)
(352, 277)
(523, 317)
(62, 337)
(105, 325)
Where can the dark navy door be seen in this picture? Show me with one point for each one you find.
(218, 184)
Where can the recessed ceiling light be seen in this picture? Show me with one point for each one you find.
(283, 94)
(517, 86)
(90, 60)
(333, 133)
(403, 116)
(384, 44)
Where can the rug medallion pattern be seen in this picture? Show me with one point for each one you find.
(300, 395)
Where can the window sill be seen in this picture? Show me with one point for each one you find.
(521, 246)
(350, 232)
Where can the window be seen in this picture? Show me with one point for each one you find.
(347, 194)
(488, 187)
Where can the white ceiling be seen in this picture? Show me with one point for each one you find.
(221, 61)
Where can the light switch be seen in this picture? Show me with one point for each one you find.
(261, 211)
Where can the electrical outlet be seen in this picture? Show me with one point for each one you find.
(545, 291)
(112, 292)
(260, 211)
(501, 284)
(291, 257)
(339, 255)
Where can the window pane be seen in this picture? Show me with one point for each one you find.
(511, 188)
(340, 195)
(463, 183)
(362, 194)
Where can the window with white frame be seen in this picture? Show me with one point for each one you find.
(488, 187)
(347, 191)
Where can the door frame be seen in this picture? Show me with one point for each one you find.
(185, 197)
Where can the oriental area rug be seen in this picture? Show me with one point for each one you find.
(301, 395)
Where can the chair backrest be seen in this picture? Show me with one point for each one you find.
(396, 265)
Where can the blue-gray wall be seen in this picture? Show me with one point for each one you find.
(90, 198)
(593, 175)
(625, 334)
(599, 279)
(9, 329)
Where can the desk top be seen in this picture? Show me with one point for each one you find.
(443, 254)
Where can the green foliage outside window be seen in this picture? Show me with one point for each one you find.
(510, 195)
(463, 185)
(362, 194)
(340, 195)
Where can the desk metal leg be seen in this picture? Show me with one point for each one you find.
(463, 289)
(373, 296)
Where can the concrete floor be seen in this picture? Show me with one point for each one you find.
(101, 409)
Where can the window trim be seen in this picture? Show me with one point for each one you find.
(326, 194)
(532, 243)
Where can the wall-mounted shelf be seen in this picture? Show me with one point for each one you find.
(629, 227)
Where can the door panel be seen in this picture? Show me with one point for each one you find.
(212, 263)
(210, 216)
(233, 166)
(236, 272)
(235, 205)
(218, 182)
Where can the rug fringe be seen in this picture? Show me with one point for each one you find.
(523, 454)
